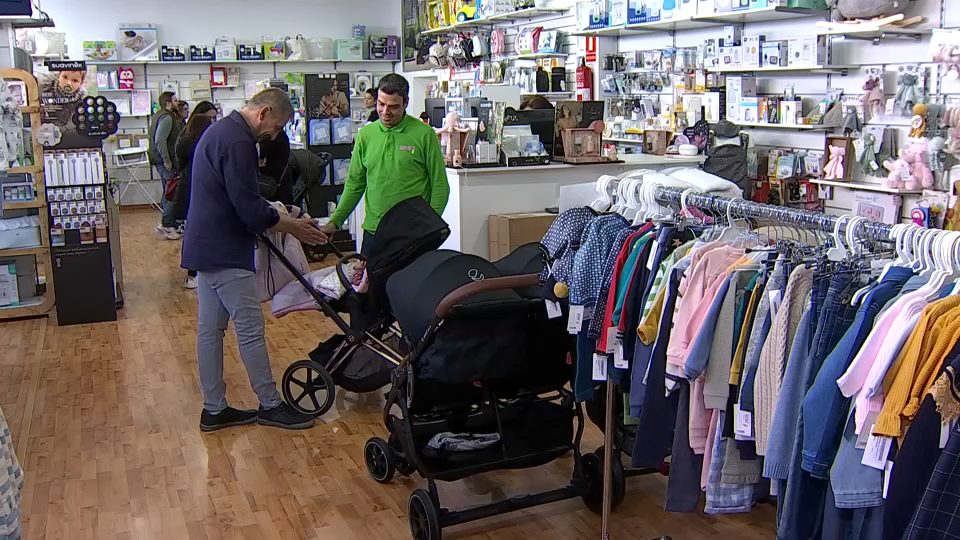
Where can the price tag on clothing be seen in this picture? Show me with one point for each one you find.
(945, 430)
(887, 472)
(653, 255)
(553, 310)
(875, 454)
(599, 367)
(619, 361)
(743, 424)
(776, 296)
(575, 321)
(611, 340)
(905, 174)
(867, 429)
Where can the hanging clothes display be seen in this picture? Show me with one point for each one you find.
(818, 365)
(11, 482)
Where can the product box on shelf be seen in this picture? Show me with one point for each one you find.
(618, 13)
(350, 49)
(592, 15)
(274, 49)
(722, 6)
(790, 112)
(138, 42)
(172, 53)
(807, 51)
(249, 52)
(705, 8)
(749, 109)
(202, 53)
(752, 46)
(507, 232)
(100, 51)
(224, 48)
(384, 48)
(740, 5)
(772, 54)
(8, 285)
(758, 4)
(732, 36)
(731, 57)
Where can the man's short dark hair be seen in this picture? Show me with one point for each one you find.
(393, 85)
(165, 99)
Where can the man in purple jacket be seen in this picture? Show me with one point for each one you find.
(226, 213)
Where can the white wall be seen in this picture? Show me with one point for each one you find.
(182, 22)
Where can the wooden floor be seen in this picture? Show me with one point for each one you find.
(105, 419)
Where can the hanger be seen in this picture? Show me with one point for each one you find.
(942, 248)
(630, 193)
(604, 194)
(731, 232)
(838, 253)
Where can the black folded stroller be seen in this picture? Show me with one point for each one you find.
(362, 357)
(483, 387)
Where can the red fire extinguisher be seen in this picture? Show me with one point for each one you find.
(584, 81)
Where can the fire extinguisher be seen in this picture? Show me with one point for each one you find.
(584, 81)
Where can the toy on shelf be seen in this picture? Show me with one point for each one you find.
(908, 90)
(834, 169)
(467, 11)
(910, 170)
(872, 99)
(945, 50)
(937, 163)
(453, 139)
(918, 124)
(953, 122)
(868, 155)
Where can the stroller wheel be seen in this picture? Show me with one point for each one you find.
(381, 463)
(424, 516)
(316, 253)
(593, 476)
(308, 387)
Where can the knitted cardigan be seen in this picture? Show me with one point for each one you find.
(773, 355)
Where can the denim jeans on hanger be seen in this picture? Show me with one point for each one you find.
(824, 406)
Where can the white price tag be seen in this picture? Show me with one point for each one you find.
(599, 367)
(867, 429)
(874, 165)
(575, 321)
(887, 472)
(611, 339)
(875, 454)
(619, 361)
(653, 255)
(743, 424)
(776, 296)
(904, 174)
(553, 310)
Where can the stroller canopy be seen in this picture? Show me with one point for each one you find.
(408, 230)
(417, 290)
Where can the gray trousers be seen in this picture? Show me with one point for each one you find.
(224, 295)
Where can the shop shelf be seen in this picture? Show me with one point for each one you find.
(20, 205)
(842, 69)
(526, 13)
(621, 140)
(799, 127)
(16, 252)
(777, 13)
(862, 186)
(33, 169)
(29, 108)
(534, 56)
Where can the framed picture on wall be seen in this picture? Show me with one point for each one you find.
(327, 95)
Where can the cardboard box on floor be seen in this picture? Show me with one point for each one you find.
(507, 232)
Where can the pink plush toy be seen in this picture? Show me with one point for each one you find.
(834, 169)
(910, 171)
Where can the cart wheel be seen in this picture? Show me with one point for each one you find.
(424, 516)
(593, 476)
(316, 253)
(381, 463)
(308, 387)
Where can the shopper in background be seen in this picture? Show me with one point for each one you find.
(225, 215)
(183, 109)
(535, 102)
(370, 104)
(424, 117)
(204, 115)
(164, 129)
(394, 159)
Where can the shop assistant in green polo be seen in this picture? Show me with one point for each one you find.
(394, 158)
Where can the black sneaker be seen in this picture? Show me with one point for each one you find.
(226, 418)
(284, 416)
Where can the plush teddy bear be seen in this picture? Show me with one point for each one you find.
(834, 170)
(953, 122)
(910, 171)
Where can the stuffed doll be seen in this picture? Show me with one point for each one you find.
(899, 177)
(949, 56)
(917, 158)
(953, 122)
(872, 99)
(908, 92)
(834, 169)
(918, 124)
(867, 9)
(938, 158)
(868, 156)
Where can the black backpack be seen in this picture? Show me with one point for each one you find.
(729, 162)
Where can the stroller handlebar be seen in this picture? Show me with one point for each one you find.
(492, 284)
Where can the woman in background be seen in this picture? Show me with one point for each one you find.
(370, 104)
(204, 115)
(535, 102)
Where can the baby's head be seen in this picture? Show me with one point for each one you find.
(70, 82)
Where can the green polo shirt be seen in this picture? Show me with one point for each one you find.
(389, 165)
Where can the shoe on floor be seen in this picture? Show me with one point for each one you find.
(190, 283)
(226, 418)
(284, 416)
(170, 233)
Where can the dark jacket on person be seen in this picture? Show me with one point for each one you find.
(183, 161)
(176, 127)
(226, 211)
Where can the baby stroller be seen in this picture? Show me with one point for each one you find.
(483, 387)
(362, 357)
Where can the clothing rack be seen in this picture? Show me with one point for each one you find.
(679, 198)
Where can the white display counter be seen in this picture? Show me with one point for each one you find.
(475, 194)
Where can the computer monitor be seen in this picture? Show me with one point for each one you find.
(437, 110)
(540, 121)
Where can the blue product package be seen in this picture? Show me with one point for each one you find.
(340, 169)
(319, 131)
(342, 129)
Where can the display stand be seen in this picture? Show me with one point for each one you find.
(41, 304)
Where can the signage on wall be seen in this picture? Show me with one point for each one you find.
(70, 117)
